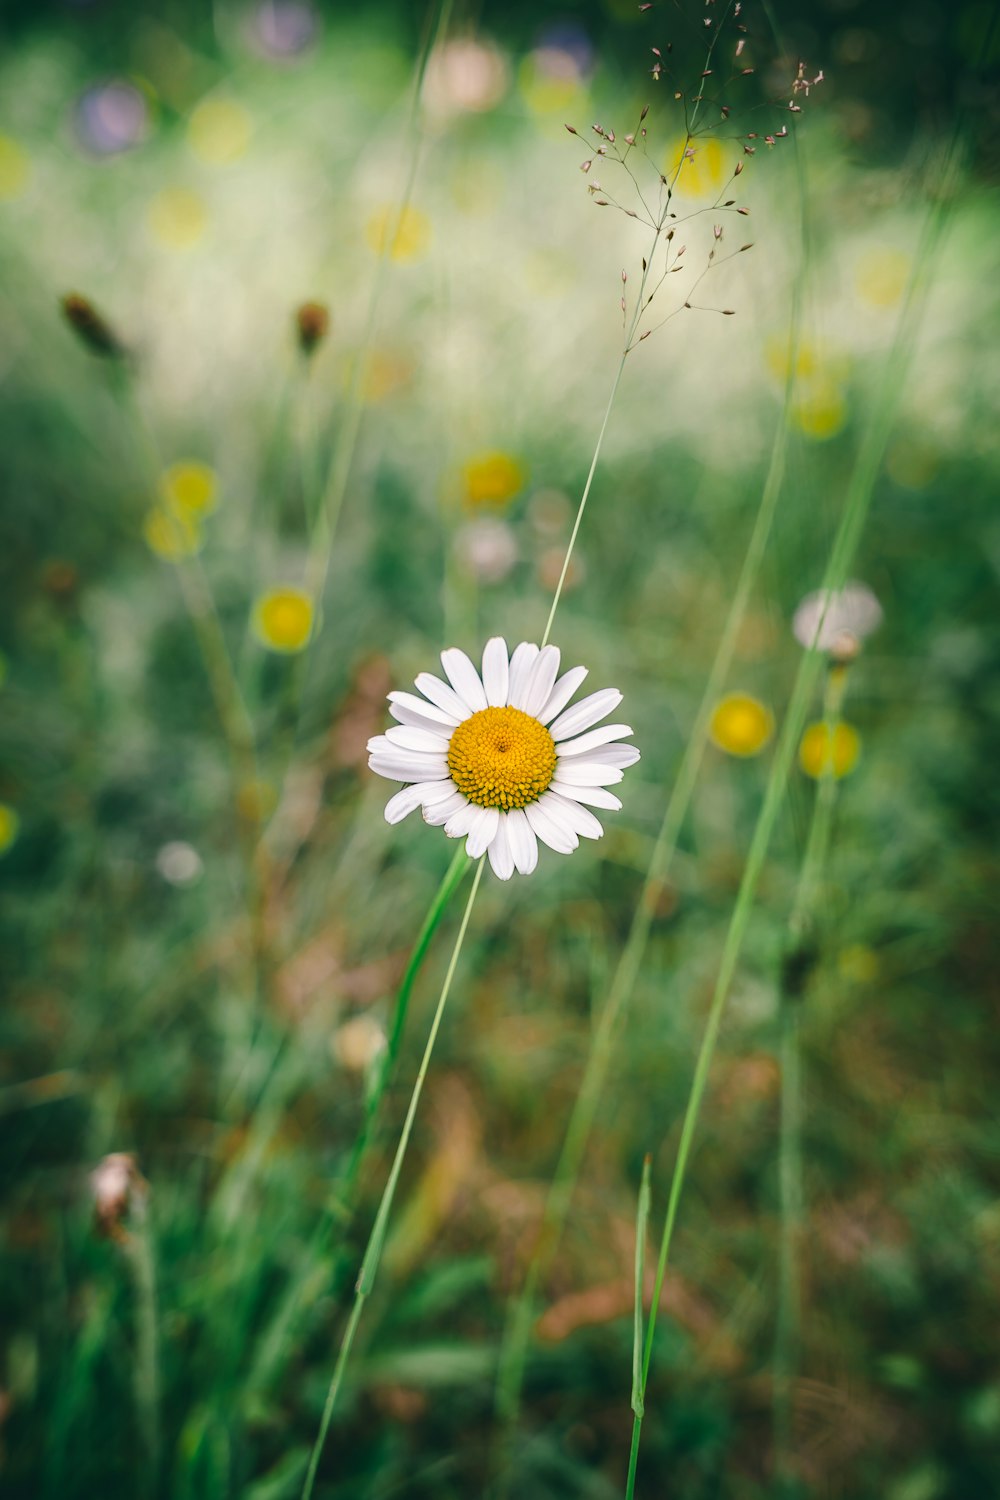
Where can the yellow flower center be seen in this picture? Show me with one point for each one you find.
(502, 757)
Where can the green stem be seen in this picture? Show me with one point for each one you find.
(856, 507)
(800, 924)
(516, 1337)
(139, 1250)
(376, 1240)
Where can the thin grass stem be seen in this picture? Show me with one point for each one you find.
(856, 507)
(376, 1240)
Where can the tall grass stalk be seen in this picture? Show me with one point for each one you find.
(600, 1054)
(376, 1240)
(330, 502)
(856, 506)
(801, 925)
(146, 1379)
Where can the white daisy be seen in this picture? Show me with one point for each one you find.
(852, 613)
(500, 759)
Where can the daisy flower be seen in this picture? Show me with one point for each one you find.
(500, 759)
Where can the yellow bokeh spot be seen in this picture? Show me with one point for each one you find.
(881, 276)
(177, 218)
(549, 86)
(823, 754)
(858, 964)
(386, 373)
(256, 800)
(190, 487)
(172, 533)
(15, 169)
(9, 824)
(821, 411)
(283, 619)
(410, 233)
(741, 725)
(492, 479)
(699, 170)
(219, 131)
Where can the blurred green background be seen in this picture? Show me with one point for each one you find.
(201, 942)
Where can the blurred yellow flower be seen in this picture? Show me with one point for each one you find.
(549, 81)
(412, 233)
(858, 963)
(219, 131)
(172, 533)
(821, 754)
(491, 479)
(881, 276)
(821, 411)
(700, 173)
(256, 800)
(177, 218)
(190, 487)
(9, 824)
(15, 169)
(741, 725)
(283, 619)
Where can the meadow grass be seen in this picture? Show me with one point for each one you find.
(219, 951)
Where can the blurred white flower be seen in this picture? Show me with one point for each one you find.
(285, 28)
(464, 76)
(852, 613)
(358, 1043)
(487, 549)
(179, 863)
(111, 117)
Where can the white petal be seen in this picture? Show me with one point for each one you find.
(464, 678)
(483, 831)
(408, 766)
(460, 822)
(403, 714)
(542, 679)
(579, 819)
(591, 740)
(523, 844)
(442, 696)
(562, 693)
(427, 710)
(427, 741)
(402, 804)
(588, 711)
(436, 813)
(501, 857)
(594, 796)
(584, 772)
(524, 657)
(605, 755)
(421, 793)
(496, 671)
(551, 830)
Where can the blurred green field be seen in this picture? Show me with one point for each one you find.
(204, 917)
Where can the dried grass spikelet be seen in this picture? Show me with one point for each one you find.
(90, 327)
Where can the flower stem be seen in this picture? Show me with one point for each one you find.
(856, 507)
(801, 921)
(139, 1251)
(376, 1240)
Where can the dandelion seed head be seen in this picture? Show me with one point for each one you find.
(741, 725)
(283, 619)
(826, 753)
